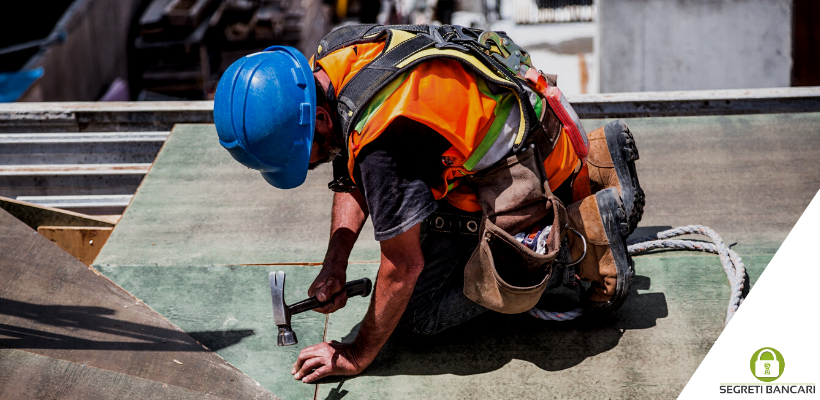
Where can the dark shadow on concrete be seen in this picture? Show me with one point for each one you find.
(492, 340)
(34, 326)
(218, 340)
(642, 231)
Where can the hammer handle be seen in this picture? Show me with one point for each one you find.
(360, 287)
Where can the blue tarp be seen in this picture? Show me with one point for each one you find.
(14, 84)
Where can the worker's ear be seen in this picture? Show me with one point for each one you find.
(324, 123)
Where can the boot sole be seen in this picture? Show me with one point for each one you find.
(613, 217)
(623, 152)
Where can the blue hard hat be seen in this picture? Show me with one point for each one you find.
(265, 113)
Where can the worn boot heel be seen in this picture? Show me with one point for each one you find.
(624, 153)
(601, 221)
(614, 220)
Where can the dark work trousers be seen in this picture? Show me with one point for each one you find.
(438, 300)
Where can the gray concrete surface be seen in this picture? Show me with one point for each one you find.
(199, 215)
(694, 44)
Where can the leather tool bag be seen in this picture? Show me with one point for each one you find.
(502, 274)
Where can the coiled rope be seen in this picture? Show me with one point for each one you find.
(731, 261)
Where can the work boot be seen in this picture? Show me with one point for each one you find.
(612, 155)
(601, 222)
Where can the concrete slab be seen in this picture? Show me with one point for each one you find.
(650, 349)
(198, 206)
(749, 177)
(199, 215)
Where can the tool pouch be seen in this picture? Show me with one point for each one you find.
(502, 274)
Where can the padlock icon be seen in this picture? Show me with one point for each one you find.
(767, 365)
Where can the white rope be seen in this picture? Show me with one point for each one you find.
(731, 261)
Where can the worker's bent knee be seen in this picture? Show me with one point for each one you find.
(413, 326)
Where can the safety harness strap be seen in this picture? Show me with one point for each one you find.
(452, 42)
(445, 223)
(346, 36)
(373, 78)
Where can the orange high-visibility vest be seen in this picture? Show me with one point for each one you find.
(479, 119)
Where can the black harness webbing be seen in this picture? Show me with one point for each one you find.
(451, 223)
(352, 99)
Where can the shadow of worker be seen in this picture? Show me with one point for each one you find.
(492, 340)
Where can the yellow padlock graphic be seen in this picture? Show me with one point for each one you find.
(767, 365)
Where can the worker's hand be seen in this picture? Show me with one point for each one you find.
(329, 282)
(328, 359)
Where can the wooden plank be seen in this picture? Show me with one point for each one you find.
(25, 375)
(52, 304)
(35, 215)
(82, 242)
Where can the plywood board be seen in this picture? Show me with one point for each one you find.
(84, 243)
(53, 305)
(35, 215)
(25, 375)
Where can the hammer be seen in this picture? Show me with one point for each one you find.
(283, 312)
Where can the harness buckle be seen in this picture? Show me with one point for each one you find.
(512, 56)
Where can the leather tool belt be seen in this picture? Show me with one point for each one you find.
(503, 274)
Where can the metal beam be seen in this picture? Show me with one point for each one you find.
(74, 169)
(162, 115)
(102, 116)
(90, 201)
(84, 137)
(697, 102)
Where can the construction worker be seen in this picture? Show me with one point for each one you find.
(453, 145)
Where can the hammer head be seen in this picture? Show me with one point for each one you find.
(281, 313)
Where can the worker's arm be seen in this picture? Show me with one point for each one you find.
(348, 216)
(401, 264)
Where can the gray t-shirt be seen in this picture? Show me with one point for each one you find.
(395, 173)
